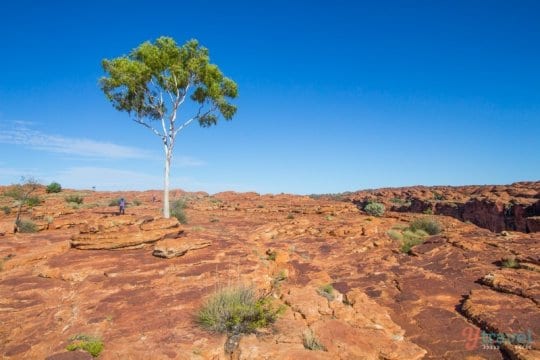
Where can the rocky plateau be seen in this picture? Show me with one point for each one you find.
(137, 280)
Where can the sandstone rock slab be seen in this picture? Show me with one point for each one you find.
(170, 248)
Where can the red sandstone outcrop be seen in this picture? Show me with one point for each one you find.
(503, 207)
(432, 303)
(170, 248)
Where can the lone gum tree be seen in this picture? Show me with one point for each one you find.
(153, 82)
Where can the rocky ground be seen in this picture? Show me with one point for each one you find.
(494, 207)
(136, 281)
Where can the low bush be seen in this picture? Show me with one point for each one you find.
(26, 226)
(177, 210)
(271, 255)
(6, 210)
(53, 187)
(438, 196)
(90, 344)
(137, 202)
(429, 225)
(75, 199)
(510, 262)
(394, 234)
(311, 342)
(412, 238)
(281, 276)
(114, 202)
(327, 291)
(33, 201)
(237, 310)
(374, 209)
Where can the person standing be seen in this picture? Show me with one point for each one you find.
(122, 205)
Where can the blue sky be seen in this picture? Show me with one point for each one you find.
(334, 96)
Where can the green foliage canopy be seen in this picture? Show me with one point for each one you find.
(155, 79)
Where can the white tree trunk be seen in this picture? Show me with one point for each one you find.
(166, 208)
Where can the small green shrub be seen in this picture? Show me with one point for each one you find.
(414, 234)
(137, 202)
(510, 262)
(374, 209)
(290, 216)
(33, 201)
(6, 210)
(75, 199)
(53, 187)
(437, 196)
(394, 234)
(26, 226)
(281, 276)
(177, 210)
(428, 211)
(412, 238)
(327, 291)
(311, 342)
(237, 310)
(90, 344)
(429, 225)
(114, 202)
(214, 220)
(271, 255)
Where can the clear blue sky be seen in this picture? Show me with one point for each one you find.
(334, 95)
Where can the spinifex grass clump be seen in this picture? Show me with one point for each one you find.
(237, 310)
(510, 262)
(74, 199)
(26, 226)
(90, 344)
(415, 234)
(412, 238)
(395, 234)
(429, 225)
(33, 201)
(177, 210)
(327, 291)
(311, 342)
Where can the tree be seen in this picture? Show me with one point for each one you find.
(21, 193)
(152, 83)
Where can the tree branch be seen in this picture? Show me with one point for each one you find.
(184, 96)
(139, 121)
(184, 125)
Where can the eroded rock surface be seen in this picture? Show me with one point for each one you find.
(433, 303)
(499, 207)
(178, 247)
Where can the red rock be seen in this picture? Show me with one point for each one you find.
(533, 224)
(170, 248)
(497, 208)
(387, 304)
(7, 227)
